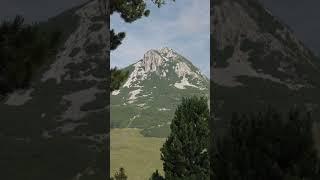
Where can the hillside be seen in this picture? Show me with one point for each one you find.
(56, 128)
(259, 61)
(156, 84)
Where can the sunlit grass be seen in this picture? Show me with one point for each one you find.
(139, 155)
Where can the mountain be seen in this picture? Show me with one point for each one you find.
(155, 86)
(56, 129)
(258, 61)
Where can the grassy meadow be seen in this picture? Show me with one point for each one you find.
(139, 155)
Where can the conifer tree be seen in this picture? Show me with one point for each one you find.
(267, 146)
(184, 153)
(23, 49)
(120, 175)
(156, 176)
(117, 77)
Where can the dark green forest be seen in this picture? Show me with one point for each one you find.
(267, 145)
(23, 49)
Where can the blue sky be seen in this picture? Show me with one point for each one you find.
(183, 25)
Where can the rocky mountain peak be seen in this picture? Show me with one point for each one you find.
(67, 98)
(165, 50)
(256, 52)
(251, 42)
(151, 60)
(88, 38)
(168, 52)
(79, 61)
(155, 84)
(167, 66)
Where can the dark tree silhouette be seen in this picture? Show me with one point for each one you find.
(23, 48)
(117, 77)
(267, 146)
(156, 176)
(120, 175)
(184, 153)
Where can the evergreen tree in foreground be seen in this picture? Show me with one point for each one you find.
(267, 146)
(156, 176)
(120, 175)
(184, 153)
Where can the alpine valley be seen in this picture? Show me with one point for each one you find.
(154, 88)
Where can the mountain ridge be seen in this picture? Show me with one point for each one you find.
(155, 86)
(258, 61)
(61, 120)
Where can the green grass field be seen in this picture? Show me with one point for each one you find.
(139, 155)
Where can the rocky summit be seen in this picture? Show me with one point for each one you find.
(56, 129)
(258, 61)
(154, 88)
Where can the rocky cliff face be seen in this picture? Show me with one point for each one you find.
(258, 61)
(59, 124)
(154, 88)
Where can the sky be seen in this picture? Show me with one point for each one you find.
(182, 25)
(35, 10)
(302, 16)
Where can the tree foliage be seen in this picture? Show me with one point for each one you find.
(23, 48)
(129, 11)
(120, 175)
(267, 146)
(156, 176)
(115, 39)
(117, 78)
(184, 153)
